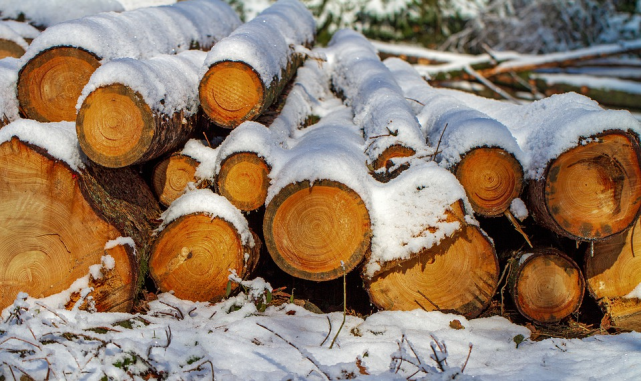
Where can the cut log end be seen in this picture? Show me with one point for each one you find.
(193, 257)
(115, 126)
(460, 276)
(386, 161)
(50, 84)
(317, 232)
(613, 272)
(492, 178)
(10, 49)
(231, 93)
(548, 286)
(49, 234)
(171, 176)
(243, 179)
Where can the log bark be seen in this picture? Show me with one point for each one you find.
(492, 178)
(9, 48)
(459, 275)
(546, 285)
(592, 191)
(50, 83)
(317, 231)
(117, 128)
(612, 271)
(244, 179)
(194, 254)
(56, 222)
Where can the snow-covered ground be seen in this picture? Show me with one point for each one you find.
(234, 340)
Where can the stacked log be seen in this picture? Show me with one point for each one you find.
(133, 111)
(59, 62)
(479, 150)
(193, 166)
(202, 241)
(546, 285)
(248, 69)
(59, 213)
(427, 250)
(613, 274)
(389, 126)
(317, 224)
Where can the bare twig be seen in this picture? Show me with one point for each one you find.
(517, 226)
(467, 359)
(19, 339)
(490, 85)
(438, 145)
(168, 334)
(328, 332)
(344, 307)
(199, 367)
(179, 315)
(307, 356)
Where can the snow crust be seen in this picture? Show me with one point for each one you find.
(235, 341)
(167, 83)
(58, 139)
(548, 127)
(8, 92)
(266, 42)
(24, 29)
(443, 118)
(204, 155)
(518, 209)
(50, 12)
(380, 109)
(121, 241)
(607, 84)
(142, 33)
(204, 201)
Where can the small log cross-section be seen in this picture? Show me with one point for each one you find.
(613, 272)
(459, 275)
(244, 179)
(591, 191)
(171, 176)
(237, 88)
(194, 254)
(492, 178)
(9, 48)
(52, 232)
(317, 231)
(546, 285)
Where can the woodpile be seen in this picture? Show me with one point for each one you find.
(269, 156)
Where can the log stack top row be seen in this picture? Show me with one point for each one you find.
(364, 165)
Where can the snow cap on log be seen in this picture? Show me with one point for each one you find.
(467, 128)
(248, 137)
(9, 34)
(142, 33)
(546, 128)
(8, 97)
(206, 157)
(331, 150)
(207, 202)
(409, 213)
(379, 105)
(48, 13)
(25, 30)
(266, 42)
(167, 83)
(58, 139)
